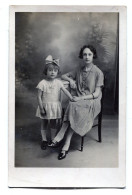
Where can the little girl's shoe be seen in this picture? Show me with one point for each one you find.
(44, 145)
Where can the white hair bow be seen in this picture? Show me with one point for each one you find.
(49, 59)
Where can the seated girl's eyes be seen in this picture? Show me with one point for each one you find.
(89, 54)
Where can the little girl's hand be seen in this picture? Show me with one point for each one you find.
(72, 99)
(73, 84)
(43, 112)
(75, 98)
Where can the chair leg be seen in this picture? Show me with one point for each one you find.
(82, 141)
(99, 128)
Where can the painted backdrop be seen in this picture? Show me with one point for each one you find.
(62, 35)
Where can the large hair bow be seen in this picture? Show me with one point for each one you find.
(50, 60)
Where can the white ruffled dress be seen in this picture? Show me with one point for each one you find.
(51, 95)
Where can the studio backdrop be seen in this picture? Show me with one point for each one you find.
(62, 35)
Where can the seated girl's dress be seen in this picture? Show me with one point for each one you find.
(81, 114)
(51, 93)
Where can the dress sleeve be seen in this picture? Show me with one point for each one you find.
(40, 86)
(60, 83)
(100, 79)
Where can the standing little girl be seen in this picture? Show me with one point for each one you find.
(49, 91)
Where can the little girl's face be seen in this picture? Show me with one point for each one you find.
(52, 72)
(87, 56)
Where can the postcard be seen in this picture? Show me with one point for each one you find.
(67, 96)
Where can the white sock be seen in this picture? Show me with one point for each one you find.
(43, 134)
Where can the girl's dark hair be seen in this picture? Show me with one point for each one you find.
(93, 50)
(53, 64)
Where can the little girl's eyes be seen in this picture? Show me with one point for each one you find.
(55, 70)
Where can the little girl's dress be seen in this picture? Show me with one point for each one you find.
(50, 99)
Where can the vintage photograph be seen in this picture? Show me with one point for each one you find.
(82, 49)
(66, 89)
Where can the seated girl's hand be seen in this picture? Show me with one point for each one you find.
(73, 84)
(43, 112)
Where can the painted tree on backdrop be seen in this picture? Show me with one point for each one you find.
(103, 42)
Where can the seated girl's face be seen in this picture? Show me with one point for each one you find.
(52, 71)
(87, 56)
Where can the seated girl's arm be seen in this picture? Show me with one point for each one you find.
(66, 77)
(42, 110)
(67, 93)
(90, 96)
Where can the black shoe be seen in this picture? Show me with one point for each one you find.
(44, 145)
(53, 145)
(62, 155)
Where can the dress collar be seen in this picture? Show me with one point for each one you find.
(90, 70)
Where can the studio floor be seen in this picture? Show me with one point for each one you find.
(95, 155)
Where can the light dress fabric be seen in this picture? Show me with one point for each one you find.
(51, 94)
(81, 114)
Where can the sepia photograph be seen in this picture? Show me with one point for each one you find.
(65, 74)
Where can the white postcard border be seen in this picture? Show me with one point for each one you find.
(69, 177)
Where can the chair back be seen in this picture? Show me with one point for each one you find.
(103, 93)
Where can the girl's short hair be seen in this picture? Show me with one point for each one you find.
(93, 50)
(47, 66)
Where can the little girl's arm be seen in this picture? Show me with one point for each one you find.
(67, 93)
(42, 110)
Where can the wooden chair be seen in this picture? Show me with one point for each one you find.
(99, 124)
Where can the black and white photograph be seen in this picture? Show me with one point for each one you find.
(66, 74)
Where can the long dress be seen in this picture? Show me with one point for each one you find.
(81, 114)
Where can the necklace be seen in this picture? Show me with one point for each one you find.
(85, 75)
(51, 84)
(86, 72)
(87, 68)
